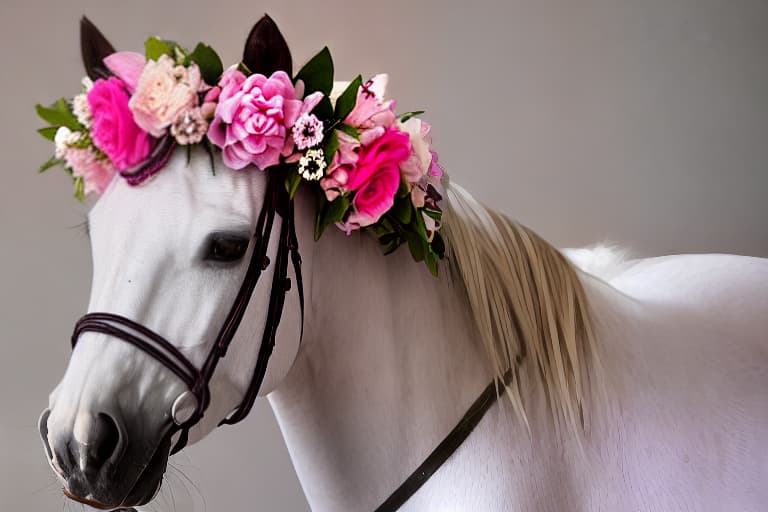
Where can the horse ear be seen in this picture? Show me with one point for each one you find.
(266, 50)
(94, 47)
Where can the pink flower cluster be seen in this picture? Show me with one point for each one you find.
(371, 167)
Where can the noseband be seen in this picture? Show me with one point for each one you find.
(276, 201)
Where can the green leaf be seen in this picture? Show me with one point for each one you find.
(208, 61)
(241, 67)
(431, 261)
(416, 245)
(52, 162)
(79, 189)
(292, 182)
(59, 114)
(49, 132)
(405, 188)
(333, 211)
(349, 130)
(346, 102)
(408, 115)
(154, 47)
(435, 214)
(323, 110)
(317, 74)
(331, 147)
(402, 210)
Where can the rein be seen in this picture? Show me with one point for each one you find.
(197, 380)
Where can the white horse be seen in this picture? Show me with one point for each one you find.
(645, 390)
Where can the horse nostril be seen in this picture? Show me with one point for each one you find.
(104, 440)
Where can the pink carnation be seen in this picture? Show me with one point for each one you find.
(113, 130)
(96, 173)
(370, 108)
(253, 118)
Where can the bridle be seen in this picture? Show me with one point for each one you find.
(276, 202)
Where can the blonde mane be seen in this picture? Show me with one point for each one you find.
(528, 304)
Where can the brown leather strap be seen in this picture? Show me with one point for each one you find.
(447, 447)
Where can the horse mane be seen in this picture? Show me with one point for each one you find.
(528, 304)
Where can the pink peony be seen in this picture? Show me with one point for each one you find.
(253, 118)
(163, 93)
(113, 130)
(96, 173)
(375, 178)
(370, 108)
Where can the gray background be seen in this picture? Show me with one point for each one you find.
(640, 122)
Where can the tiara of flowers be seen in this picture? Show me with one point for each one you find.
(370, 168)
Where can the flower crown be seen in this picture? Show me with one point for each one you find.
(371, 169)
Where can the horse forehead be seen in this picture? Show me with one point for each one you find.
(188, 188)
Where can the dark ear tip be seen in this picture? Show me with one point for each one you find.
(266, 50)
(94, 47)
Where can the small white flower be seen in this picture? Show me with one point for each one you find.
(307, 131)
(312, 165)
(82, 109)
(64, 139)
(87, 83)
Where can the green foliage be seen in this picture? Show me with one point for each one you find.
(331, 146)
(330, 212)
(208, 61)
(52, 162)
(323, 110)
(49, 132)
(349, 130)
(292, 181)
(79, 189)
(346, 102)
(408, 115)
(154, 48)
(59, 114)
(317, 74)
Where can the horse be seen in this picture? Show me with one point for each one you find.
(625, 384)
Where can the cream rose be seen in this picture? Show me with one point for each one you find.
(163, 93)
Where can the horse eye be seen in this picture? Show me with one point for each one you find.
(225, 247)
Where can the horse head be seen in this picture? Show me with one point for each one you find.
(171, 257)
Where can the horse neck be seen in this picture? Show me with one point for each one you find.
(389, 364)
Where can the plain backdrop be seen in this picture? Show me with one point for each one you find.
(644, 123)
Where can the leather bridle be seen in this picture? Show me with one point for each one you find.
(276, 202)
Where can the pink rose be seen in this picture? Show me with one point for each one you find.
(163, 93)
(113, 130)
(96, 173)
(375, 177)
(253, 119)
(419, 161)
(370, 108)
